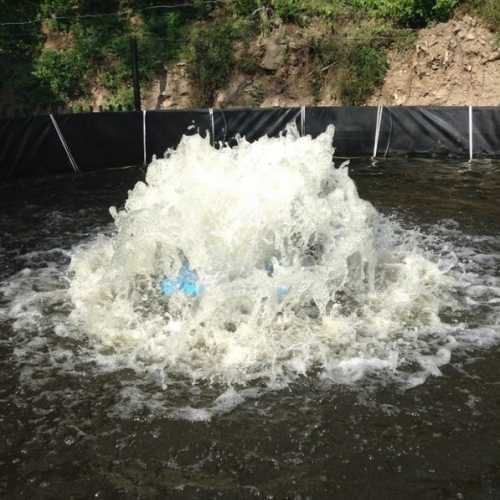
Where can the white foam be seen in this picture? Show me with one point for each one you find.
(361, 288)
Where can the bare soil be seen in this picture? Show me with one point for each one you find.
(452, 64)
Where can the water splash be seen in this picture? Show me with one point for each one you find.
(299, 274)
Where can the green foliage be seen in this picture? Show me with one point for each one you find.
(97, 48)
(94, 48)
(18, 42)
(248, 66)
(212, 62)
(123, 97)
(256, 97)
(363, 71)
(408, 13)
(62, 72)
(242, 8)
(384, 36)
(164, 32)
(489, 10)
(300, 12)
(359, 63)
(289, 10)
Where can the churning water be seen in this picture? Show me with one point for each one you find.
(252, 289)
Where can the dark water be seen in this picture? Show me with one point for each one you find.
(62, 435)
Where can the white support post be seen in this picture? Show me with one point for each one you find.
(65, 146)
(471, 135)
(211, 111)
(144, 136)
(380, 110)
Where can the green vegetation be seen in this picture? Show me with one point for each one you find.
(358, 59)
(489, 10)
(362, 71)
(212, 62)
(256, 97)
(54, 52)
(92, 41)
(409, 13)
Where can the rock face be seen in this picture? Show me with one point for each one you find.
(453, 64)
(170, 91)
(279, 75)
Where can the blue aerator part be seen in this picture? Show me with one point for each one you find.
(282, 291)
(187, 282)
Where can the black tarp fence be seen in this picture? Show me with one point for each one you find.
(93, 141)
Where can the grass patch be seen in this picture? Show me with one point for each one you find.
(362, 71)
(256, 97)
(408, 13)
(489, 11)
(357, 59)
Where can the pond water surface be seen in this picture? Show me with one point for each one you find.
(411, 414)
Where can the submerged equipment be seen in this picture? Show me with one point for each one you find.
(188, 282)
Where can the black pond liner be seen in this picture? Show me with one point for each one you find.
(95, 141)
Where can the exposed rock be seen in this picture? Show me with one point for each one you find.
(494, 56)
(172, 90)
(274, 55)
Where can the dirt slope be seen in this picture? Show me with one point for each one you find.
(453, 63)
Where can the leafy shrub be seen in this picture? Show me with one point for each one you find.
(362, 71)
(123, 97)
(409, 13)
(359, 63)
(256, 97)
(19, 43)
(99, 49)
(289, 10)
(164, 34)
(212, 62)
(248, 66)
(63, 72)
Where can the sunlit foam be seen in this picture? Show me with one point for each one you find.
(299, 274)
